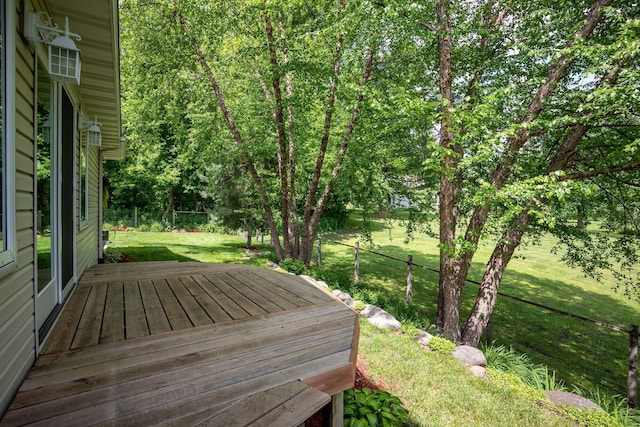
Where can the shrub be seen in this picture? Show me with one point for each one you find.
(143, 228)
(373, 408)
(442, 345)
(294, 266)
(157, 227)
(332, 279)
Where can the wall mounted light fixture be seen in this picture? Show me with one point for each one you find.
(64, 56)
(94, 133)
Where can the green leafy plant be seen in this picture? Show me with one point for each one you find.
(360, 306)
(410, 329)
(157, 227)
(441, 345)
(532, 374)
(373, 408)
(294, 266)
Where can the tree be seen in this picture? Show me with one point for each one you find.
(161, 107)
(235, 202)
(299, 78)
(528, 92)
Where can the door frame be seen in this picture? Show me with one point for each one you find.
(64, 147)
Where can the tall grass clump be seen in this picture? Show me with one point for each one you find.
(540, 377)
(615, 405)
(506, 359)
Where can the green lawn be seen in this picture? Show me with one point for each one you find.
(440, 391)
(582, 353)
(203, 247)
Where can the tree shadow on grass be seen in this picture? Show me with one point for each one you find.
(151, 253)
(227, 252)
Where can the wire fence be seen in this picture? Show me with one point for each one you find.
(584, 353)
(142, 220)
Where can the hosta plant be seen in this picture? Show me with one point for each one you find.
(373, 408)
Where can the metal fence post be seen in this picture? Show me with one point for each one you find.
(409, 279)
(632, 379)
(356, 271)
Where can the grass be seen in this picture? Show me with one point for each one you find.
(440, 391)
(581, 353)
(203, 247)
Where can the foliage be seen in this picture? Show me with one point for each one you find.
(532, 374)
(333, 279)
(409, 329)
(591, 417)
(364, 408)
(513, 383)
(294, 266)
(360, 306)
(438, 390)
(504, 361)
(531, 101)
(441, 345)
(589, 352)
(616, 406)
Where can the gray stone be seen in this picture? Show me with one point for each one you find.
(273, 265)
(571, 399)
(342, 296)
(323, 283)
(470, 355)
(478, 371)
(380, 318)
(423, 338)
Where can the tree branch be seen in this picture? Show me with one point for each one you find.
(346, 137)
(231, 125)
(603, 171)
(280, 134)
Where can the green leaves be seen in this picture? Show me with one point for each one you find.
(373, 408)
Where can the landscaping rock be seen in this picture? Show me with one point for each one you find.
(479, 371)
(273, 265)
(470, 355)
(572, 399)
(423, 338)
(379, 317)
(342, 296)
(323, 284)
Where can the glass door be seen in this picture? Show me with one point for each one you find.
(46, 173)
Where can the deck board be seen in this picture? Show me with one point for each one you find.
(190, 343)
(156, 317)
(135, 319)
(113, 319)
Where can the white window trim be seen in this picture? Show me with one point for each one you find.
(8, 256)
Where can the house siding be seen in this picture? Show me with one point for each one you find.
(19, 337)
(87, 238)
(17, 314)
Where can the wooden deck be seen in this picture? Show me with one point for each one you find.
(190, 343)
